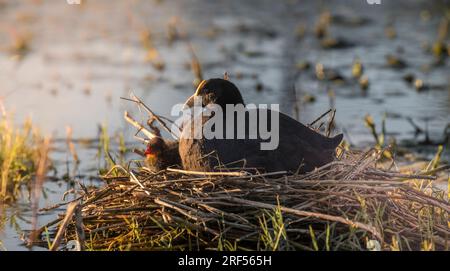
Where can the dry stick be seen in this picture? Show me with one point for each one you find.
(296, 104)
(70, 145)
(178, 209)
(37, 187)
(46, 209)
(361, 165)
(188, 208)
(413, 124)
(119, 210)
(195, 63)
(51, 223)
(205, 173)
(425, 199)
(319, 118)
(262, 175)
(355, 224)
(121, 224)
(399, 175)
(347, 182)
(216, 211)
(114, 168)
(100, 195)
(208, 207)
(320, 169)
(79, 227)
(135, 99)
(181, 180)
(139, 126)
(331, 123)
(194, 226)
(437, 227)
(436, 170)
(135, 180)
(62, 228)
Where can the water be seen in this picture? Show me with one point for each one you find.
(84, 58)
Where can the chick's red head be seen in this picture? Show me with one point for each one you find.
(154, 147)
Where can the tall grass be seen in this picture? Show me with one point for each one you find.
(19, 156)
(109, 156)
(272, 237)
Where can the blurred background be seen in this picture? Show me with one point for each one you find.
(68, 65)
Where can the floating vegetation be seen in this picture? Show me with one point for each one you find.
(300, 31)
(328, 74)
(259, 86)
(304, 65)
(152, 54)
(439, 47)
(172, 33)
(364, 82)
(20, 45)
(196, 67)
(350, 21)
(409, 78)
(357, 68)
(261, 31)
(395, 62)
(322, 32)
(419, 84)
(308, 98)
(322, 25)
(335, 43)
(390, 32)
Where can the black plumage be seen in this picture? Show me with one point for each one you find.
(300, 148)
(161, 154)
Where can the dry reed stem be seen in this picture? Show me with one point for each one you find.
(139, 126)
(41, 171)
(67, 219)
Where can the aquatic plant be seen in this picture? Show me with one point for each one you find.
(20, 154)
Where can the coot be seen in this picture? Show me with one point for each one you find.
(300, 148)
(161, 154)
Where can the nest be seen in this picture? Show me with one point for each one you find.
(349, 204)
(346, 205)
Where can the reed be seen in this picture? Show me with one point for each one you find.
(20, 154)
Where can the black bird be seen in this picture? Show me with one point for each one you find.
(300, 148)
(161, 154)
